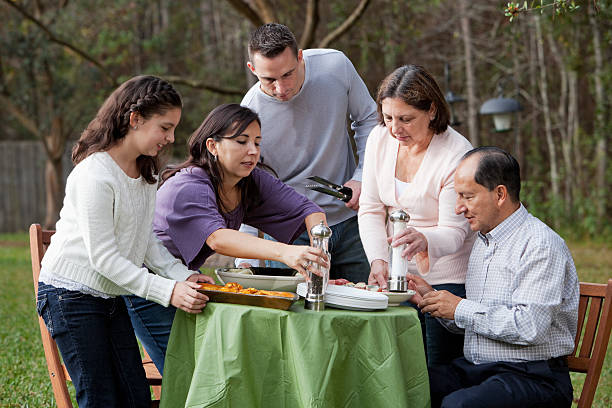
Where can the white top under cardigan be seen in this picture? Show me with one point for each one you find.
(105, 235)
(429, 199)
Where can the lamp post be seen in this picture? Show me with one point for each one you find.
(501, 108)
(450, 97)
(503, 111)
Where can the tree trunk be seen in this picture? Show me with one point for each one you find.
(266, 11)
(162, 22)
(54, 191)
(250, 78)
(563, 121)
(600, 116)
(554, 175)
(310, 25)
(469, 74)
(516, 74)
(55, 145)
(575, 132)
(572, 136)
(533, 86)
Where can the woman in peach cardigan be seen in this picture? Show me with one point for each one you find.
(409, 163)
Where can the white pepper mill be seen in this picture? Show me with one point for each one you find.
(399, 265)
(319, 275)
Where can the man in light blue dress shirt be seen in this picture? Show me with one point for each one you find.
(521, 307)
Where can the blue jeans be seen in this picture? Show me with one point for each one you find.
(348, 259)
(152, 323)
(543, 383)
(441, 346)
(97, 343)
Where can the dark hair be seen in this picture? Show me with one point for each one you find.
(221, 121)
(497, 167)
(146, 95)
(417, 88)
(270, 40)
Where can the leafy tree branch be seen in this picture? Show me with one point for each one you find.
(350, 20)
(111, 79)
(514, 9)
(56, 39)
(196, 84)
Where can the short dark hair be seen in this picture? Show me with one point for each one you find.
(270, 40)
(416, 87)
(497, 167)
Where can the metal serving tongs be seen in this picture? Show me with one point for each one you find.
(340, 192)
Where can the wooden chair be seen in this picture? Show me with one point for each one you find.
(39, 241)
(595, 309)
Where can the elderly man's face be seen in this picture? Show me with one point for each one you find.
(477, 204)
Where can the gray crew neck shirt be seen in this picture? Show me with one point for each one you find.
(307, 135)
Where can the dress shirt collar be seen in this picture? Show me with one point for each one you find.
(506, 227)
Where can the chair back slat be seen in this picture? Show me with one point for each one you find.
(594, 324)
(591, 328)
(583, 303)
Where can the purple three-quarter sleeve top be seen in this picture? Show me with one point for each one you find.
(186, 213)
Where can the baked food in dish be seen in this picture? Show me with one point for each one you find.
(233, 287)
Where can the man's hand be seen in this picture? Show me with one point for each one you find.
(440, 304)
(356, 187)
(420, 286)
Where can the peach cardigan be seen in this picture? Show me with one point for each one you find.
(429, 200)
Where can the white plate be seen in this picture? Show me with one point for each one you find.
(395, 298)
(350, 298)
(266, 282)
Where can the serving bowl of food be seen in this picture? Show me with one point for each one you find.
(262, 278)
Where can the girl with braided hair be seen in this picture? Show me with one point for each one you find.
(104, 237)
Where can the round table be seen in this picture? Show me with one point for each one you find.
(245, 356)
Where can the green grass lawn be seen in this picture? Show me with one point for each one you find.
(24, 381)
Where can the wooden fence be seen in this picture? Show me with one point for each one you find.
(22, 184)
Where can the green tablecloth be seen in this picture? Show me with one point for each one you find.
(242, 356)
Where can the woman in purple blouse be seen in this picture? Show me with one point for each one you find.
(202, 202)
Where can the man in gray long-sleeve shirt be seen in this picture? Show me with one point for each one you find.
(303, 99)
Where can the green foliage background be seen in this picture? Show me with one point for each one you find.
(205, 40)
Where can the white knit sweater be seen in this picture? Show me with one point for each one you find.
(105, 235)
